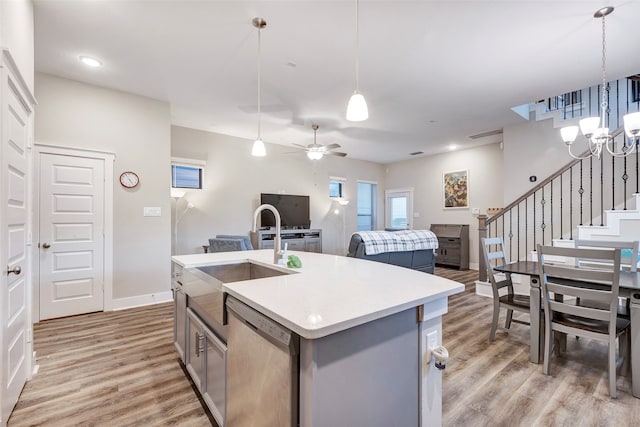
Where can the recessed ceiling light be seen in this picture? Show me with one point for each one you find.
(91, 62)
(453, 147)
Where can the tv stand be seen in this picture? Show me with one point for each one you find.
(308, 240)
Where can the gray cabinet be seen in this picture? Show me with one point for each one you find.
(453, 245)
(179, 312)
(307, 240)
(206, 362)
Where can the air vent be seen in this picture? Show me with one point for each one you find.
(415, 153)
(490, 133)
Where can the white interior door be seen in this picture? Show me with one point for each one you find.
(399, 209)
(13, 255)
(71, 206)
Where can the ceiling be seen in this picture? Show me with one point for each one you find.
(433, 72)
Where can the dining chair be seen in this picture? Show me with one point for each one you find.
(628, 261)
(493, 252)
(570, 280)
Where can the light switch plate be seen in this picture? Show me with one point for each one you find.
(152, 211)
(475, 211)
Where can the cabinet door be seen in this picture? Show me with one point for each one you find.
(294, 244)
(215, 394)
(195, 349)
(313, 245)
(179, 320)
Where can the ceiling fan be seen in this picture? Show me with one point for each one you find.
(316, 151)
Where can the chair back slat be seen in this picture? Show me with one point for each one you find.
(577, 310)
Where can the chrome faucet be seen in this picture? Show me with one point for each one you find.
(278, 254)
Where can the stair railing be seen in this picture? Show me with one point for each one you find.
(577, 194)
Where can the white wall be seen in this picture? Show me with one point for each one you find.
(16, 34)
(531, 148)
(233, 181)
(137, 130)
(424, 174)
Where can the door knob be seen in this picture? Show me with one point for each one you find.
(46, 245)
(15, 270)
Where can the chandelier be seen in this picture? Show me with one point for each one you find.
(595, 129)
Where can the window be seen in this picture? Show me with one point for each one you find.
(366, 206)
(635, 89)
(569, 99)
(336, 185)
(186, 173)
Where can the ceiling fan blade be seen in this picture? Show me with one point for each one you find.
(336, 153)
(301, 146)
(332, 146)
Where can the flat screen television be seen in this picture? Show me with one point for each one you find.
(294, 210)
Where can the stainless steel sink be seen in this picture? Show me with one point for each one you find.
(227, 273)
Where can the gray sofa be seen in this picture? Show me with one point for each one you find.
(422, 260)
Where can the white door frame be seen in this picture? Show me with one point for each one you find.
(28, 101)
(109, 159)
(387, 214)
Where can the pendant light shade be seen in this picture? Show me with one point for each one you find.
(357, 110)
(258, 149)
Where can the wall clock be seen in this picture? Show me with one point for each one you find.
(129, 179)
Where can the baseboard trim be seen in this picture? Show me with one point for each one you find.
(141, 300)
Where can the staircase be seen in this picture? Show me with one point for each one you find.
(595, 199)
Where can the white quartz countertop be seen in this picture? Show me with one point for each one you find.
(330, 293)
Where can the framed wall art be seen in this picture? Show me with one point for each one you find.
(455, 189)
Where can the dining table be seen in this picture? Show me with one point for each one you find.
(629, 288)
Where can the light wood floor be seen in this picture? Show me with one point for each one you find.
(120, 369)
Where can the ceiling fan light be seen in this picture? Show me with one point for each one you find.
(589, 125)
(357, 110)
(632, 124)
(258, 149)
(314, 155)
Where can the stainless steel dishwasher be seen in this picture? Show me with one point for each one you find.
(262, 369)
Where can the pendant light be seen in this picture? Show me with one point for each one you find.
(357, 110)
(258, 149)
(596, 129)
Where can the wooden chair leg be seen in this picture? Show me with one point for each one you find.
(507, 322)
(548, 349)
(494, 321)
(612, 367)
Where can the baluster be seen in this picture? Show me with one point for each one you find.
(526, 227)
(510, 233)
(551, 211)
(581, 192)
(602, 191)
(533, 227)
(542, 203)
(591, 189)
(625, 177)
(518, 228)
(613, 183)
(637, 174)
(571, 202)
(561, 234)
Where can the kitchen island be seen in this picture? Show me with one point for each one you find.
(362, 326)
